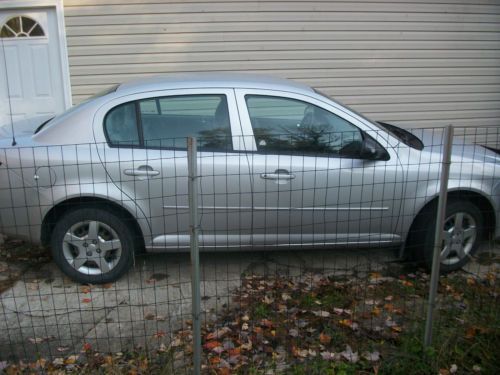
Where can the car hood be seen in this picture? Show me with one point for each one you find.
(462, 148)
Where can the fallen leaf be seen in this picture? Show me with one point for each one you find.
(211, 345)
(327, 356)
(149, 316)
(321, 313)
(471, 332)
(214, 361)
(58, 362)
(39, 340)
(218, 333)
(85, 289)
(389, 307)
(41, 362)
(266, 323)
(471, 281)
(245, 318)
(32, 286)
(285, 297)
(350, 355)
(234, 352)
(244, 327)
(349, 323)
(268, 300)
(36, 340)
(300, 352)
(159, 334)
(339, 311)
(371, 357)
(293, 332)
(376, 311)
(218, 349)
(247, 346)
(324, 338)
(397, 328)
(71, 360)
(406, 283)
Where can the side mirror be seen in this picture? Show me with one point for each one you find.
(372, 150)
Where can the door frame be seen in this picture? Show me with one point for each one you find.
(61, 28)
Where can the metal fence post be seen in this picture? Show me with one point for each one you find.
(195, 253)
(438, 237)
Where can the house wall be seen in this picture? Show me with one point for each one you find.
(411, 62)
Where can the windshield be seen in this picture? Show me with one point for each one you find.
(345, 106)
(402, 135)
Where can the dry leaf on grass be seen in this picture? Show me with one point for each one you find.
(324, 338)
(348, 354)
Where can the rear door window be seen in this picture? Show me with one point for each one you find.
(166, 122)
(120, 125)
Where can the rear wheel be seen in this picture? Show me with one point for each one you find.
(92, 245)
(462, 233)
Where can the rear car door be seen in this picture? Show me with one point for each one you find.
(152, 169)
(311, 185)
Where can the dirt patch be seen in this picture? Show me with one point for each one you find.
(16, 258)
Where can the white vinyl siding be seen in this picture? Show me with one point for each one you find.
(411, 62)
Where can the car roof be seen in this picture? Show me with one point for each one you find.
(208, 80)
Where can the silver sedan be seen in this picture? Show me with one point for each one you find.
(281, 166)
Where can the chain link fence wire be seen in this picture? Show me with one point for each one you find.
(315, 254)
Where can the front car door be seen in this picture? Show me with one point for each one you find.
(311, 186)
(145, 154)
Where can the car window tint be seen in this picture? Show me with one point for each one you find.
(290, 125)
(168, 121)
(121, 125)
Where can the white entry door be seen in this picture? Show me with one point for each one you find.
(31, 79)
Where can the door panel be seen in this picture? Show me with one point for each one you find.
(157, 178)
(320, 198)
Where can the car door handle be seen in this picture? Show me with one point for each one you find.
(279, 174)
(141, 172)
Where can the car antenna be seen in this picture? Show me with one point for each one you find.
(8, 94)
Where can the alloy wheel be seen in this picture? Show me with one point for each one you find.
(459, 236)
(92, 247)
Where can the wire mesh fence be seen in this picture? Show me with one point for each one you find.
(315, 253)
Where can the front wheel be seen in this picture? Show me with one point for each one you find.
(462, 233)
(92, 245)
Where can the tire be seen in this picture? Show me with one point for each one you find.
(92, 245)
(462, 234)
